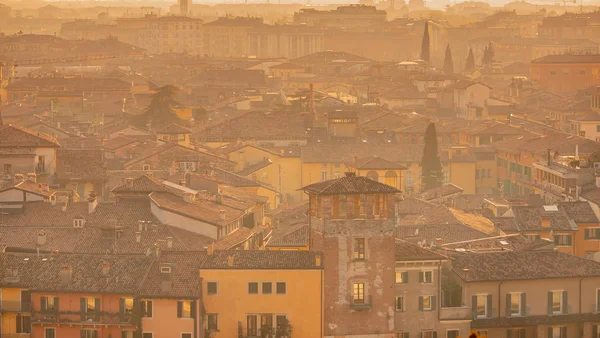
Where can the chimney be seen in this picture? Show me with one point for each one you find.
(210, 249)
(318, 260)
(146, 225)
(230, 261)
(92, 203)
(32, 177)
(53, 200)
(138, 236)
(65, 275)
(64, 206)
(188, 197)
(219, 198)
(41, 237)
(222, 215)
(140, 225)
(130, 182)
(19, 177)
(597, 175)
(438, 242)
(182, 183)
(157, 251)
(549, 159)
(45, 187)
(545, 221)
(105, 269)
(170, 242)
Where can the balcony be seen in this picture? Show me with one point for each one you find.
(74, 317)
(15, 306)
(15, 335)
(450, 313)
(365, 304)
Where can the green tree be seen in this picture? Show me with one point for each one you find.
(161, 107)
(448, 62)
(425, 44)
(470, 64)
(430, 164)
(492, 53)
(486, 56)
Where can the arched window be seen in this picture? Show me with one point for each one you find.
(391, 178)
(373, 175)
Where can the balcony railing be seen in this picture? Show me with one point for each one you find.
(15, 335)
(462, 312)
(362, 305)
(106, 318)
(15, 306)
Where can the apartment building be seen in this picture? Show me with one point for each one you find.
(529, 293)
(257, 293)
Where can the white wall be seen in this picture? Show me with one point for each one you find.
(182, 222)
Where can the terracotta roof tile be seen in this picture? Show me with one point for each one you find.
(406, 251)
(86, 165)
(18, 137)
(262, 259)
(350, 184)
(297, 236)
(182, 282)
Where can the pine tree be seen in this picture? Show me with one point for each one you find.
(492, 53)
(470, 64)
(430, 164)
(425, 44)
(161, 107)
(486, 56)
(448, 62)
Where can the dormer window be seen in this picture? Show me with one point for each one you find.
(78, 222)
(165, 268)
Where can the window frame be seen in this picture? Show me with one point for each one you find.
(150, 333)
(216, 316)
(277, 284)
(403, 308)
(560, 303)
(427, 333)
(216, 284)
(262, 288)
(361, 291)
(183, 314)
(453, 330)
(430, 301)
(253, 293)
(46, 332)
(182, 333)
(424, 274)
(145, 308)
(484, 304)
(359, 251)
(402, 279)
(517, 296)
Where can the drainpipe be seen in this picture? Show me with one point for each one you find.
(310, 244)
(499, 299)
(580, 280)
(439, 308)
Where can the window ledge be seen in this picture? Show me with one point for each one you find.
(357, 260)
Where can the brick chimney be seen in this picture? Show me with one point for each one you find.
(92, 203)
(210, 249)
(105, 268)
(32, 177)
(41, 237)
(138, 236)
(65, 275)
(130, 182)
(170, 242)
(222, 216)
(230, 261)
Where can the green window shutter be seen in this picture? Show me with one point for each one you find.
(550, 303)
(433, 303)
(489, 306)
(83, 305)
(43, 304)
(523, 304)
(405, 277)
(420, 303)
(508, 299)
(565, 303)
(474, 307)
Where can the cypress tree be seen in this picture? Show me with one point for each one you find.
(486, 56)
(448, 62)
(470, 64)
(430, 164)
(425, 44)
(492, 53)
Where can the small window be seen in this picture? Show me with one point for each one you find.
(582, 72)
(126, 305)
(211, 288)
(557, 301)
(401, 277)
(146, 167)
(126, 334)
(427, 303)
(552, 73)
(253, 288)
(358, 293)
(399, 303)
(267, 288)
(452, 334)
(562, 240)
(426, 277)
(146, 308)
(359, 248)
(165, 269)
(89, 334)
(482, 333)
(50, 332)
(184, 309)
(23, 324)
(482, 309)
(515, 304)
(558, 332)
(147, 335)
(186, 335)
(281, 288)
(427, 334)
(213, 321)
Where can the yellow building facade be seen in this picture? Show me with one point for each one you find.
(238, 297)
(15, 306)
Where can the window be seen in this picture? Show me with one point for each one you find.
(146, 308)
(147, 335)
(552, 73)
(427, 303)
(592, 233)
(582, 72)
(533, 237)
(428, 334)
(146, 167)
(562, 240)
(402, 277)
(126, 305)
(516, 303)
(253, 288)
(557, 332)
(89, 334)
(426, 277)
(266, 324)
(89, 305)
(184, 309)
(23, 324)
(50, 332)
(452, 334)
(126, 334)
(49, 303)
(252, 325)
(399, 303)
(8, 168)
(213, 321)
(323, 176)
(402, 335)
(556, 302)
(211, 288)
(482, 333)
(480, 305)
(359, 248)
(186, 335)
(358, 293)
(267, 288)
(281, 288)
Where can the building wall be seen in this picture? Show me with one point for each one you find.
(232, 302)
(566, 77)
(164, 321)
(462, 174)
(10, 299)
(583, 246)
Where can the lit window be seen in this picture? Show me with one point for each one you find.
(358, 296)
(359, 248)
(426, 277)
(557, 301)
(399, 303)
(481, 306)
(402, 277)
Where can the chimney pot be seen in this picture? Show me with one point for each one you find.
(41, 237)
(138, 236)
(318, 260)
(32, 177)
(170, 242)
(140, 225)
(222, 215)
(65, 274)
(230, 261)
(64, 207)
(210, 249)
(130, 182)
(105, 268)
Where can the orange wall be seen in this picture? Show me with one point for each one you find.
(569, 81)
(585, 245)
(164, 322)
